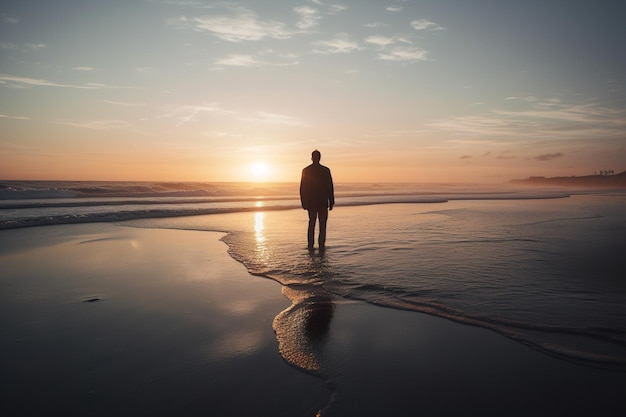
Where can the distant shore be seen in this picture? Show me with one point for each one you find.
(612, 181)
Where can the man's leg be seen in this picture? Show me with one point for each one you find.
(311, 233)
(323, 215)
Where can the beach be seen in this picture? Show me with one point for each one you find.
(101, 319)
(106, 320)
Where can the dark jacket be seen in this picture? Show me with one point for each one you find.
(316, 187)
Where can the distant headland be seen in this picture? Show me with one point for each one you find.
(604, 180)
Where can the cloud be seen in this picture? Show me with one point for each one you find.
(85, 69)
(528, 99)
(549, 156)
(36, 45)
(474, 141)
(390, 51)
(123, 103)
(404, 54)
(334, 8)
(221, 134)
(589, 113)
(340, 44)
(24, 82)
(96, 124)
(374, 25)
(181, 3)
(423, 24)
(394, 8)
(273, 118)
(146, 70)
(24, 47)
(465, 157)
(236, 60)
(187, 113)
(542, 119)
(244, 25)
(383, 41)
(6, 116)
(309, 17)
(249, 61)
(9, 19)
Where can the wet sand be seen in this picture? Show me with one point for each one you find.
(103, 320)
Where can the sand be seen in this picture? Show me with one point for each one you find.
(101, 319)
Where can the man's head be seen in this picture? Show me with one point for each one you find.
(316, 156)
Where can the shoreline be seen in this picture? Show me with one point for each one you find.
(101, 318)
(117, 217)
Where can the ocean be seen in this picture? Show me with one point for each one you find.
(543, 267)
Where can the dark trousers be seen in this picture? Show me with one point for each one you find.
(314, 214)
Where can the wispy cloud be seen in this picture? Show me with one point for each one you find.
(6, 116)
(36, 45)
(184, 3)
(542, 118)
(187, 113)
(243, 25)
(333, 8)
(24, 47)
(339, 45)
(273, 118)
(549, 156)
(84, 69)
(506, 157)
(386, 40)
(394, 8)
(423, 24)
(5, 18)
(336, 8)
(397, 48)
(221, 134)
(96, 124)
(404, 54)
(146, 70)
(23, 82)
(309, 17)
(123, 103)
(528, 99)
(267, 58)
(236, 60)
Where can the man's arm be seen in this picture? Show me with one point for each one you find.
(331, 196)
(302, 190)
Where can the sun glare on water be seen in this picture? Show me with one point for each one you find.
(260, 171)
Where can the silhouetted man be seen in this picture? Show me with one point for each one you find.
(317, 196)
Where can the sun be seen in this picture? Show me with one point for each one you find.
(260, 171)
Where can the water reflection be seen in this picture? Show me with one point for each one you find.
(259, 236)
(259, 226)
(302, 329)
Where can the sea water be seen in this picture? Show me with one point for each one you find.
(544, 268)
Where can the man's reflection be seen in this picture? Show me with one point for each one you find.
(302, 329)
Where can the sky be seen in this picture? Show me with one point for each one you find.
(479, 91)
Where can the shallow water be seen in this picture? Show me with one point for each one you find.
(548, 273)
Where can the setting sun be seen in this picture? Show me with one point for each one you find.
(260, 171)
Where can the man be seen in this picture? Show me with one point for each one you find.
(317, 196)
